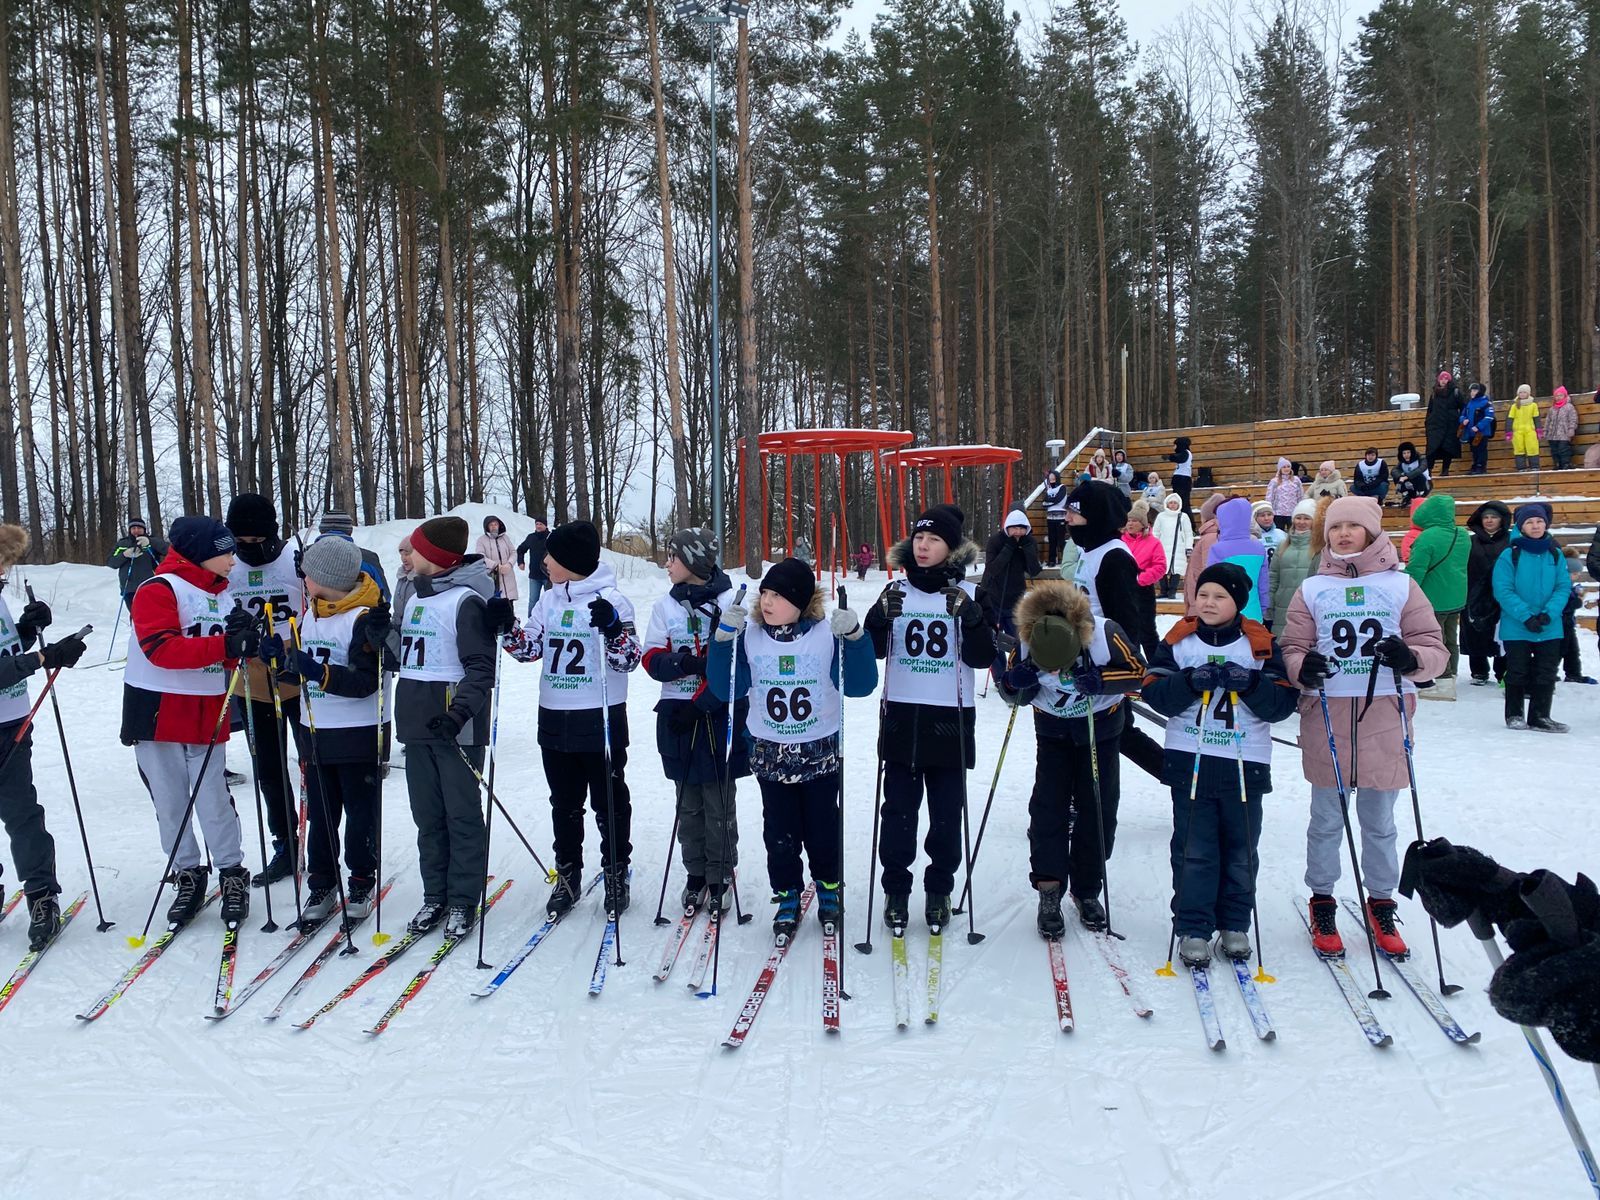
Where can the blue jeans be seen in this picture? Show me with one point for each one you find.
(1213, 861)
(535, 587)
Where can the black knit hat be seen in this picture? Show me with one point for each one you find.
(1231, 577)
(252, 515)
(1104, 510)
(942, 520)
(576, 546)
(792, 580)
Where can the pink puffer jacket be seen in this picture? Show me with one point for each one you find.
(1382, 761)
(1147, 556)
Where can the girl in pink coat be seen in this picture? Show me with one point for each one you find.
(1356, 624)
(1151, 562)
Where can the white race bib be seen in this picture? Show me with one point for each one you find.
(276, 583)
(922, 665)
(1353, 616)
(427, 628)
(1056, 694)
(676, 626)
(200, 614)
(1087, 572)
(328, 640)
(1227, 724)
(14, 702)
(792, 697)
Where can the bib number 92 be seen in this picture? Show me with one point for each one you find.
(1351, 640)
(784, 706)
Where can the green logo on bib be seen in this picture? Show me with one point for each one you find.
(255, 578)
(785, 664)
(416, 615)
(566, 618)
(1355, 595)
(211, 604)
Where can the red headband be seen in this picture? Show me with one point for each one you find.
(437, 555)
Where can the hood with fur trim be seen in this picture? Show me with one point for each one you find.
(960, 559)
(1054, 598)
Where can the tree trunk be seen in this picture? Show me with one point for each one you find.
(343, 458)
(11, 235)
(936, 389)
(669, 278)
(1485, 248)
(749, 387)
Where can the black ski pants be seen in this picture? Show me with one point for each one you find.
(351, 792)
(1063, 834)
(33, 850)
(801, 815)
(573, 776)
(903, 789)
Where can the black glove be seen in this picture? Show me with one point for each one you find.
(1021, 677)
(1453, 882)
(1392, 652)
(1556, 984)
(963, 607)
(379, 621)
(500, 615)
(241, 638)
(1238, 679)
(1087, 679)
(446, 726)
(1207, 677)
(64, 653)
(1314, 669)
(688, 662)
(603, 616)
(892, 603)
(35, 616)
(270, 649)
(304, 665)
(1537, 622)
(682, 717)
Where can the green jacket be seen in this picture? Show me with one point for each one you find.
(1439, 556)
(1290, 566)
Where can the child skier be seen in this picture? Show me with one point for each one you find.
(931, 629)
(788, 662)
(691, 725)
(1069, 662)
(338, 663)
(33, 851)
(581, 626)
(1227, 663)
(444, 641)
(1357, 622)
(186, 637)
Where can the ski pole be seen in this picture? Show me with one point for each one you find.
(505, 815)
(1261, 975)
(672, 840)
(983, 824)
(611, 831)
(72, 782)
(1445, 989)
(844, 603)
(1378, 992)
(1099, 815)
(111, 648)
(379, 937)
(282, 728)
(1188, 830)
(194, 795)
(877, 802)
(1483, 929)
(973, 936)
(727, 769)
(329, 828)
(255, 779)
(488, 809)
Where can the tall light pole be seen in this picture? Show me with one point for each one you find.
(714, 17)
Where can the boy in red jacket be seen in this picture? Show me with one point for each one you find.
(183, 644)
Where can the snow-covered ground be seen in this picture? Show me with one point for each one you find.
(540, 1089)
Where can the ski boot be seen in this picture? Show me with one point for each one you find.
(191, 895)
(719, 898)
(937, 911)
(694, 893)
(1234, 944)
(830, 904)
(1325, 937)
(787, 919)
(429, 915)
(44, 920)
(279, 866)
(616, 891)
(1381, 919)
(1092, 913)
(565, 893)
(358, 898)
(235, 883)
(233, 778)
(319, 905)
(459, 921)
(897, 912)
(1052, 924)
(1195, 951)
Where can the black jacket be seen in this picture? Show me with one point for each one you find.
(532, 551)
(1592, 560)
(1105, 512)
(1483, 610)
(1271, 697)
(134, 567)
(928, 736)
(1443, 423)
(418, 701)
(1008, 564)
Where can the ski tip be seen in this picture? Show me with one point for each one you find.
(1219, 1046)
(1270, 1035)
(1388, 1040)
(1472, 1039)
(931, 1019)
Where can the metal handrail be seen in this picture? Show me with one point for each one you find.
(1092, 435)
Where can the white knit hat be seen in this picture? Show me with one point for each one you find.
(1306, 508)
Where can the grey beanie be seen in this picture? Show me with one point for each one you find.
(697, 550)
(334, 562)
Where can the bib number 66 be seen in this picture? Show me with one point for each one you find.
(784, 706)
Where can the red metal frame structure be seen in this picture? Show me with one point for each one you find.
(818, 444)
(947, 459)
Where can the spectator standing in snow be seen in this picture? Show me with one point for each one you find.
(135, 557)
(1010, 559)
(531, 552)
(1524, 432)
(1175, 532)
(1438, 562)
(1560, 427)
(498, 556)
(1477, 427)
(1283, 493)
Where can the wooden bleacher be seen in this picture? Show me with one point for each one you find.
(1244, 457)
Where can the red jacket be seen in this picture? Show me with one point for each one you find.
(1148, 556)
(166, 717)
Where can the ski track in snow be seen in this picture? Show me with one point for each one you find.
(541, 1088)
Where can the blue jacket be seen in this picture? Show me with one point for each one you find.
(1478, 417)
(860, 667)
(1234, 544)
(1531, 577)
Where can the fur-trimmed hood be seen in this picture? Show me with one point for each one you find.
(962, 556)
(1054, 598)
(813, 611)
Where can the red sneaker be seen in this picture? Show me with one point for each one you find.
(1381, 918)
(1325, 937)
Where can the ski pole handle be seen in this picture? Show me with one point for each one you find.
(737, 600)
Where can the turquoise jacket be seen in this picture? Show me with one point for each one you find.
(1531, 577)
